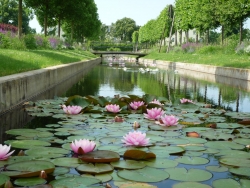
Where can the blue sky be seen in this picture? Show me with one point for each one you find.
(141, 11)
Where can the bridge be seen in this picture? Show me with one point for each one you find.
(137, 54)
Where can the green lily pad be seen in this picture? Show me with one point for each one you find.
(228, 125)
(67, 162)
(243, 171)
(224, 145)
(190, 184)
(3, 179)
(60, 171)
(195, 140)
(217, 168)
(48, 152)
(102, 177)
(128, 164)
(233, 153)
(29, 181)
(192, 160)
(30, 168)
(161, 163)
(182, 174)
(76, 182)
(194, 148)
(100, 156)
(112, 140)
(228, 183)
(28, 144)
(235, 161)
(146, 174)
(164, 128)
(168, 149)
(94, 168)
(193, 153)
(242, 141)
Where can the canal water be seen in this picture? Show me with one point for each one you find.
(121, 79)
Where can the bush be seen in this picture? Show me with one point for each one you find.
(42, 42)
(210, 49)
(247, 50)
(190, 47)
(30, 41)
(55, 43)
(114, 49)
(4, 41)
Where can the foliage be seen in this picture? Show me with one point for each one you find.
(190, 47)
(4, 28)
(103, 46)
(30, 41)
(113, 49)
(124, 28)
(210, 49)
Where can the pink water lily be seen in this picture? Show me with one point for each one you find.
(135, 138)
(4, 149)
(154, 113)
(155, 101)
(183, 101)
(114, 108)
(82, 146)
(136, 104)
(169, 120)
(72, 109)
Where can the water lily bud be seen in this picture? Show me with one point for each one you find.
(212, 125)
(108, 186)
(118, 119)
(192, 134)
(21, 153)
(184, 112)
(43, 174)
(136, 125)
(8, 184)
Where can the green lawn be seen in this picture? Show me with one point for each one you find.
(223, 60)
(15, 61)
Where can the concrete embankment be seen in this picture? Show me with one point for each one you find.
(234, 77)
(17, 88)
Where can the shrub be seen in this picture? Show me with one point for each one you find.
(42, 42)
(30, 41)
(210, 49)
(55, 43)
(190, 47)
(247, 50)
(4, 41)
(114, 49)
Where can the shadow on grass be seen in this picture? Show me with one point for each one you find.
(64, 59)
(10, 65)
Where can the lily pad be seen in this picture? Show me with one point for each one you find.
(161, 163)
(224, 145)
(30, 168)
(67, 162)
(3, 179)
(27, 144)
(138, 154)
(182, 174)
(100, 156)
(228, 183)
(243, 171)
(49, 152)
(76, 182)
(94, 168)
(146, 174)
(190, 184)
(128, 164)
(235, 161)
(29, 181)
(192, 160)
(217, 168)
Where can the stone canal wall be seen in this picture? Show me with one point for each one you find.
(237, 73)
(17, 88)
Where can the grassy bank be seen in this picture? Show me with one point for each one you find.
(216, 59)
(16, 61)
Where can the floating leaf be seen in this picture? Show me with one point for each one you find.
(100, 156)
(243, 171)
(217, 168)
(161, 163)
(67, 162)
(146, 174)
(192, 160)
(190, 184)
(128, 164)
(94, 168)
(30, 168)
(138, 154)
(168, 149)
(137, 185)
(29, 181)
(49, 152)
(228, 183)
(182, 174)
(3, 179)
(223, 145)
(75, 182)
(28, 144)
(235, 161)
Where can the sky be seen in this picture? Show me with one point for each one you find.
(141, 11)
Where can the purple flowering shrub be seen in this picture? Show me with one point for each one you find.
(4, 28)
(55, 43)
(190, 47)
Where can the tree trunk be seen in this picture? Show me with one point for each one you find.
(175, 38)
(241, 25)
(170, 34)
(186, 33)
(20, 11)
(222, 35)
(180, 37)
(208, 36)
(196, 37)
(59, 27)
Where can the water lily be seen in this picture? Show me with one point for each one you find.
(169, 120)
(72, 109)
(154, 113)
(4, 149)
(136, 104)
(114, 108)
(135, 138)
(183, 101)
(82, 146)
(155, 101)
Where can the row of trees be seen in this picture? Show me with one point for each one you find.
(78, 18)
